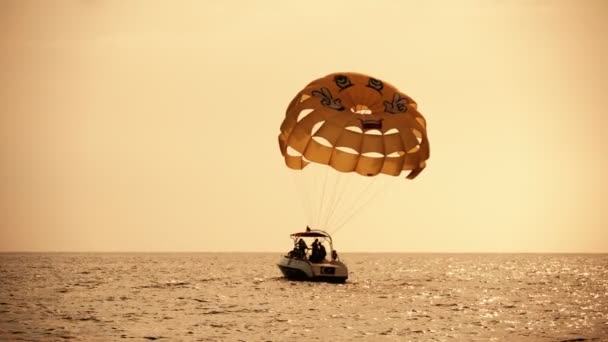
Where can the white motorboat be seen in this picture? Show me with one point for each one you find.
(314, 264)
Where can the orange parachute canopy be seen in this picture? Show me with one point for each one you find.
(354, 123)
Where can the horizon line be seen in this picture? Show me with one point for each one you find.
(282, 252)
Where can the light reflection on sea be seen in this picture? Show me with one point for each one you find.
(240, 296)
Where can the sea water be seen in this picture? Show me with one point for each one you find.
(243, 297)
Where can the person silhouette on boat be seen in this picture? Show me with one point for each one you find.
(334, 255)
(314, 255)
(322, 253)
(295, 252)
(302, 247)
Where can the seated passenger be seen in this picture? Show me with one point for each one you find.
(314, 255)
(302, 247)
(322, 252)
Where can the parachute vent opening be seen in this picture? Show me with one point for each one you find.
(371, 124)
(354, 129)
(414, 149)
(361, 109)
(396, 154)
(292, 152)
(391, 131)
(304, 97)
(316, 127)
(347, 150)
(373, 155)
(304, 113)
(418, 135)
(373, 132)
(322, 141)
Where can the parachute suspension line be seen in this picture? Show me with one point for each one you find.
(335, 201)
(322, 201)
(305, 197)
(338, 191)
(310, 191)
(367, 200)
(344, 182)
(355, 205)
(309, 184)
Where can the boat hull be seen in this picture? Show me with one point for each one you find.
(301, 269)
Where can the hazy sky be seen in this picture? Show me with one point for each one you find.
(152, 125)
